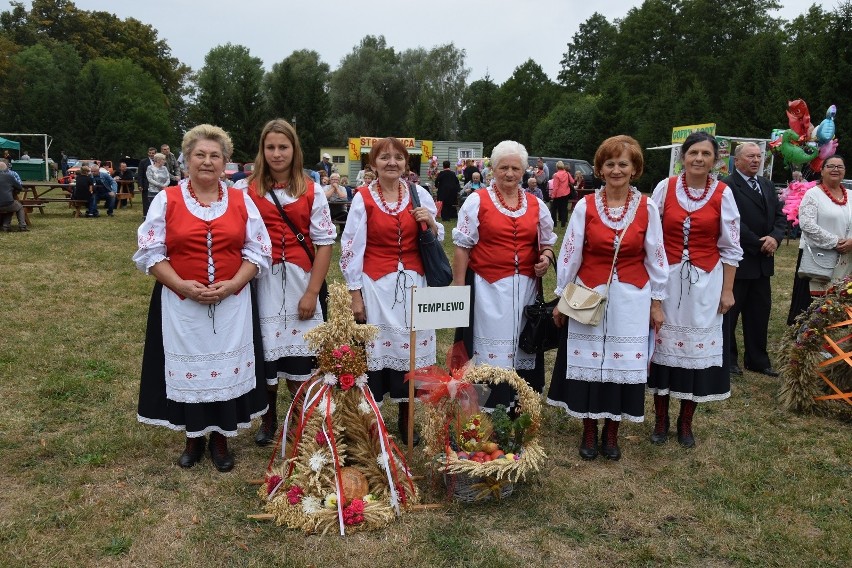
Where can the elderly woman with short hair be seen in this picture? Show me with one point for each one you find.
(503, 243)
(202, 369)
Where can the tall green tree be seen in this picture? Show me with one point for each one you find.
(435, 83)
(37, 93)
(297, 89)
(119, 110)
(102, 34)
(523, 100)
(580, 65)
(479, 113)
(366, 91)
(230, 95)
(565, 130)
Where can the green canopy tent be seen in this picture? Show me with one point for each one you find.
(9, 144)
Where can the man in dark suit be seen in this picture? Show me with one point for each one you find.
(142, 179)
(762, 226)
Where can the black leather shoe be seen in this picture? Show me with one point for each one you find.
(193, 452)
(735, 369)
(222, 458)
(265, 434)
(768, 371)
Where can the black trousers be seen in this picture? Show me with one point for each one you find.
(559, 208)
(753, 299)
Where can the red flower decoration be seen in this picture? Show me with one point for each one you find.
(294, 495)
(347, 381)
(353, 513)
(320, 438)
(272, 483)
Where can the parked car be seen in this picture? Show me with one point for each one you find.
(574, 166)
(847, 183)
(248, 168)
(231, 168)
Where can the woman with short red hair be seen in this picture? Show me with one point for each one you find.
(601, 370)
(380, 261)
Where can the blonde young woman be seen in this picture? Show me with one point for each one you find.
(289, 294)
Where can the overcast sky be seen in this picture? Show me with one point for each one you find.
(497, 35)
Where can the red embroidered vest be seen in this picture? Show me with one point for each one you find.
(599, 247)
(385, 248)
(186, 238)
(283, 239)
(704, 229)
(501, 238)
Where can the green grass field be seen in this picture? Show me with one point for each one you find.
(84, 484)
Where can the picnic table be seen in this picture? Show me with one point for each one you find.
(35, 196)
(125, 192)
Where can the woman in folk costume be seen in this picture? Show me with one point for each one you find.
(202, 365)
(701, 229)
(504, 242)
(289, 294)
(601, 370)
(380, 261)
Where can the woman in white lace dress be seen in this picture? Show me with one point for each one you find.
(701, 230)
(601, 370)
(380, 261)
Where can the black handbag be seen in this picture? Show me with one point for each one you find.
(436, 265)
(540, 332)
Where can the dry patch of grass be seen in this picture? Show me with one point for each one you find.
(86, 485)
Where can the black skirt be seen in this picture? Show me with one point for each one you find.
(197, 419)
(699, 385)
(502, 393)
(801, 298)
(593, 399)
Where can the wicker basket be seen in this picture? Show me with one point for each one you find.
(469, 489)
(468, 480)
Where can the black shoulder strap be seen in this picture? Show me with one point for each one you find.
(299, 236)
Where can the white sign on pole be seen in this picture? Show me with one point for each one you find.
(437, 308)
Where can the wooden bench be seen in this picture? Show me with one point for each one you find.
(39, 203)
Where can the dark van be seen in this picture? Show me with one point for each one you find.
(573, 166)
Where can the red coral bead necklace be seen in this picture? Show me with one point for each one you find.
(503, 201)
(842, 201)
(195, 197)
(610, 216)
(688, 191)
(390, 209)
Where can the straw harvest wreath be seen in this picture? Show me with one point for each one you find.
(481, 454)
(340, 468)
(818, 370)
